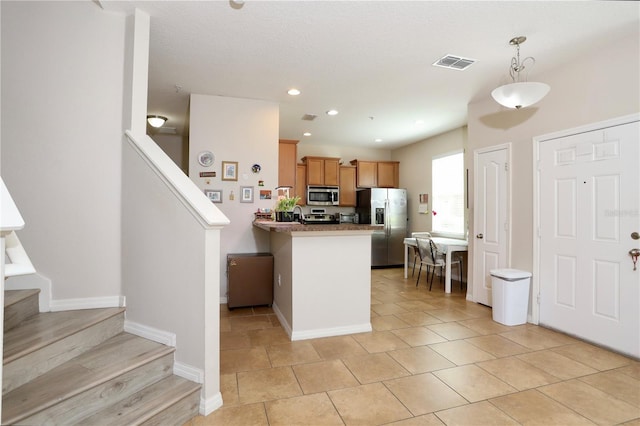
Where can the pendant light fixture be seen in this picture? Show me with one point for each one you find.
(156, 120)
(520, 93)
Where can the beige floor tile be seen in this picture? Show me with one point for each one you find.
(414, 305)
(424, 393)
(460, 352)
(519, 374)
(497, 345)
(254, 322)
(324, 376)
(474, 383)
(387, 309)
(380, 341)
(356, 405)
(262, 310)
(314, 409)
(229, 389)
(534, 408)
(225, 325)
(268, 336)
(418, 318)
(452, 330)
(590, 402)
(426, 420)
(477, 414)
(235, 360)
(632, 370)
(292, 353)
(233, 340)
(477, 310)
(265, 385)
(617, 384)
(245, 415)
(448, 315)
(485, 326)
(418, 336)
(337, 347)
(531, 339)
(634, 422)
(594, 357)
(374, 367)
(225, 312)
(387, 322)
(556, 364)
(421, 359)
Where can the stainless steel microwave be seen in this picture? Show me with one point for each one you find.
(323, 195)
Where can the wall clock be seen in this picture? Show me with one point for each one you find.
(206, 158)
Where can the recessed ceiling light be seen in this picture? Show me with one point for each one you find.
(332, 112)
(378, 140)
(419, 123)
(306, 134)
(293, 92)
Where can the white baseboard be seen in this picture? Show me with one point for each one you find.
(320, 332)
(87, 303)
(223, 300)
(188, 372)
(159, 336)
(210, 405)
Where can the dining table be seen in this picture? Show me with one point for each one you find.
(446, 245)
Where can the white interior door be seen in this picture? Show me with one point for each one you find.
(490, 218)
(588, 208)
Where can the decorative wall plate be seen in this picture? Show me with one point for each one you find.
(256, 168)
(206, 158)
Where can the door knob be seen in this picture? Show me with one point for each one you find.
(635, 236)
(634, 253)
(479, 236)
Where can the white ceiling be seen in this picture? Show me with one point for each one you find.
(363, 58)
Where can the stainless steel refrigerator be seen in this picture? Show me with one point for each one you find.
(386, 207)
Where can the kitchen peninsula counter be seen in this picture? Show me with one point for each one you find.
(322, 277)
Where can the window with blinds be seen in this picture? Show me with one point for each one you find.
(448, 194)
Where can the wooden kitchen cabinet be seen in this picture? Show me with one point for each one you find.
(348, 186)
(377, 174)
(287, 159)
(322, 171)
(388, 174)
(301, 184)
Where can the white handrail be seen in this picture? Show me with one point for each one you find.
(180, 184)
(10, 217)
(20, 262)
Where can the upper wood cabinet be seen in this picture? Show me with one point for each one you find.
(301, 183)
(348, 186)
(377, 174)
(287, 159)
(323, 171)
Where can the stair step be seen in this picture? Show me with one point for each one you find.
(173, 400)
(102, 376)
(49, 339)
(19, 305)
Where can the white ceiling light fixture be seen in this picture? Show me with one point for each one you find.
(332, 112)
(520, 93)
(293, 92)
(156, 120)
(306, 134)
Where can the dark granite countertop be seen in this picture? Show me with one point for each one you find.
(269, 225)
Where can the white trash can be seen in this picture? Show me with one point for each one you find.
(510, 295)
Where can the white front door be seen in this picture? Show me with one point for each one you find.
(490, 224)
(588, 208)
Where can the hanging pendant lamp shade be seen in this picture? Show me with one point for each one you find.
(156, 120)
(519, 94)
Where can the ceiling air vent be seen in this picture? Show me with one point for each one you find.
(454, 62)
(309, 117)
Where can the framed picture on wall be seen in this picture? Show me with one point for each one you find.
(246, 194)
(229, 170)
(215, 195)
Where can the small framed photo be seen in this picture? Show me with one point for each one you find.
(215, 195)
(246, 194)
(229, 170)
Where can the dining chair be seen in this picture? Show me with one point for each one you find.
(416, 253)
(432, 258)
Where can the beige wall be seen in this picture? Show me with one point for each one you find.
(600, 86)
(415, 170)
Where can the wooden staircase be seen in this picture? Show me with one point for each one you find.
(80, 367)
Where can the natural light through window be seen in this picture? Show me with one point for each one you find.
(448, 194)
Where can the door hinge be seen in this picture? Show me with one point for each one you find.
(506, 167)
(538, 299)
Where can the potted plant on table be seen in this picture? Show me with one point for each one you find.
(284, 208)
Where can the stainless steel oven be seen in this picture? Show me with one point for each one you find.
(323, 195)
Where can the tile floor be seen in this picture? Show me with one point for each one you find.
(432, 359)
